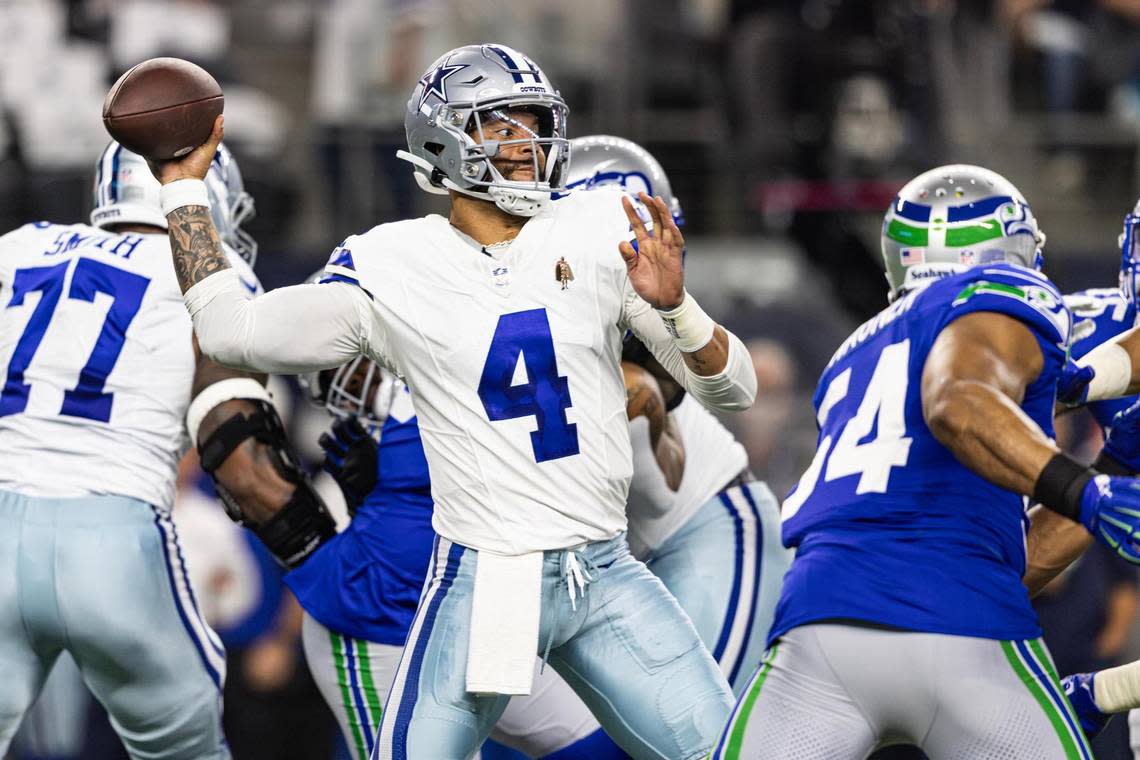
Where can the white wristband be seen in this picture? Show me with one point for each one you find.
(217, 393)
(690, 327)
(1113, 367)
(1118, 689)
(183, 192)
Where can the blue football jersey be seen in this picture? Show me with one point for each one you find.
(366, 581)
(890, 529)
(1100, 314)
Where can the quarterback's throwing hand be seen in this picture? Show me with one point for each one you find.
(194, 164)
(654, 264)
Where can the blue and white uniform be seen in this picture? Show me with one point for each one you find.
(98, 362)
(519, 396)
(715, 542)
(360, 592)
(904, 607)
(1099, 315)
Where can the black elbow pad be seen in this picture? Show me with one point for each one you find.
(303, 523)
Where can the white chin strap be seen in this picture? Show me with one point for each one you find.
(518, 202)
(514, 201)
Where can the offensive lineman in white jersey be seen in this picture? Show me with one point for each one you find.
(506, 322)
(714, 538)
(100, 367)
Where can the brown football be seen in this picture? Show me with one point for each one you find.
(163, 108)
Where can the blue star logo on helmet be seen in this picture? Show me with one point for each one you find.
(435, 83)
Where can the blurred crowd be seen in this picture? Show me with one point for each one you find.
(785, 126)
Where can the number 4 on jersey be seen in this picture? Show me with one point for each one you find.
(525, 336)
(882, 411)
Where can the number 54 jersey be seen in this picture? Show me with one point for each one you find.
(97, 362)
(890, 529)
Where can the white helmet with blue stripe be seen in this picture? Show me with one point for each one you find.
(127, 193)
(465, 87)
(125, 190)
(605, 160)
(954, 217)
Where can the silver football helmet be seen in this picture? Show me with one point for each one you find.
(125, 190)
(230, 205)
(604, 160)
(360, 388)
(127, 193)
(954, 217)
(466, 87)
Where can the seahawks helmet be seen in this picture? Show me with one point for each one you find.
(461, 90)
(1129, 242)
(359, 388)
(603, 160)
(127, 193)
(954, 217)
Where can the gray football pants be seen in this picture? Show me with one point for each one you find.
(832, 692)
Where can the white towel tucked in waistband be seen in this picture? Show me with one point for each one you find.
(504, 623)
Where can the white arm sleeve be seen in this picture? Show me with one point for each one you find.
(288, 330)
(731, 390)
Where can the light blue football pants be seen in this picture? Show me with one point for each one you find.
(103, 579)
(725, 566)
(628, 651)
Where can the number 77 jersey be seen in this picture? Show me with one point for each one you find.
(890, 528)
(97, 363)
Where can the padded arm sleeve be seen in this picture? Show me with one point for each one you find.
(288, 330)
(731, 390)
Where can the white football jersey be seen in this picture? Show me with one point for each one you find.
(514, 374)
(97, 361)
(713, 457)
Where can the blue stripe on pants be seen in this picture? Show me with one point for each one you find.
(1057, 699)
(182, 614)
(744, 490)
(412, 679)
(357, 693)
(737, 572)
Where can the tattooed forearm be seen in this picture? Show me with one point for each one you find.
(195, 245)
(712, 358)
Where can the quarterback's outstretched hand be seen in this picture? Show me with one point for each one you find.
(654, 259)
(194, 164)
(1110, 511)
(351, 457)
(1079, 688)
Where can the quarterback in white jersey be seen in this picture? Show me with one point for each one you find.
(506, 322)
(99, 368)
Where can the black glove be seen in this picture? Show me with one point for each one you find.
(351, 457)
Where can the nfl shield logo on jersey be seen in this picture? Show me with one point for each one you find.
(501, 275)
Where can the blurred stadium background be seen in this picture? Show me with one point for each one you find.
(786, 126)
